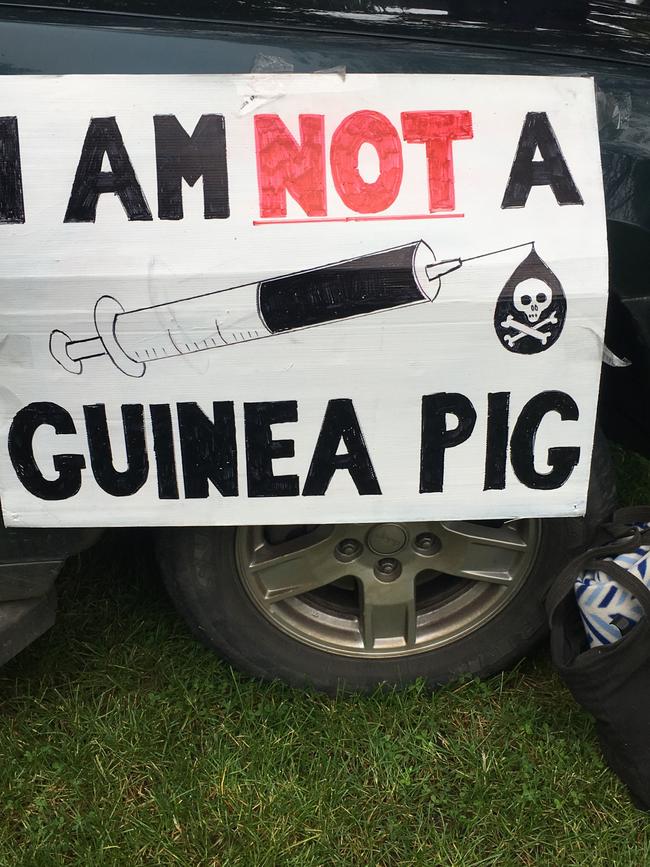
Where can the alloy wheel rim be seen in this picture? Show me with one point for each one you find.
(385, 590)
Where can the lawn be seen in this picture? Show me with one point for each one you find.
(125, 742)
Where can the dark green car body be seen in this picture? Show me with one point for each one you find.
(607, 40)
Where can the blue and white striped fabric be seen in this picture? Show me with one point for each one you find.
(608, 611)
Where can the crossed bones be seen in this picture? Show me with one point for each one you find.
(526, 330)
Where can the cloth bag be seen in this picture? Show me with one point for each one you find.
(611, 681)
(608, 610)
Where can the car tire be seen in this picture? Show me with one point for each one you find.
(315, 641)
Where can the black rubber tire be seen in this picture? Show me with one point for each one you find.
(200, 572)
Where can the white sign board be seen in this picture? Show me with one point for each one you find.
(298, 298)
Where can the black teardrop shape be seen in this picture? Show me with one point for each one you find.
(510, 308)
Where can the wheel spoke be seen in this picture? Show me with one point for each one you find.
(506, 536)
(297, 565)
(490, 576)
(388, 611)
(481, 553)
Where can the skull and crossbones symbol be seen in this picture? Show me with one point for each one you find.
(531, 297)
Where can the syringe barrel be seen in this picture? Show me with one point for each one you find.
(366, 284)
(191, 325)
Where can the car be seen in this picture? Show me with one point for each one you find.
(298, 602)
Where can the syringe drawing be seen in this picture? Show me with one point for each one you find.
(376, 282)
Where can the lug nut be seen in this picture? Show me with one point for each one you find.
(427, 543)
(347, 550)
(388, 569)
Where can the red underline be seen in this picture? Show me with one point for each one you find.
(359, 219)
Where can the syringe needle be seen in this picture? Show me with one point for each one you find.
(439, 269)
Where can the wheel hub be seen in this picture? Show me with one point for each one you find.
(388, 589)
(385, 539)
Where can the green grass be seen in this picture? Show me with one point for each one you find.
(123, 742)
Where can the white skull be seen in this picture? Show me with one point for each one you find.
(532, 297)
